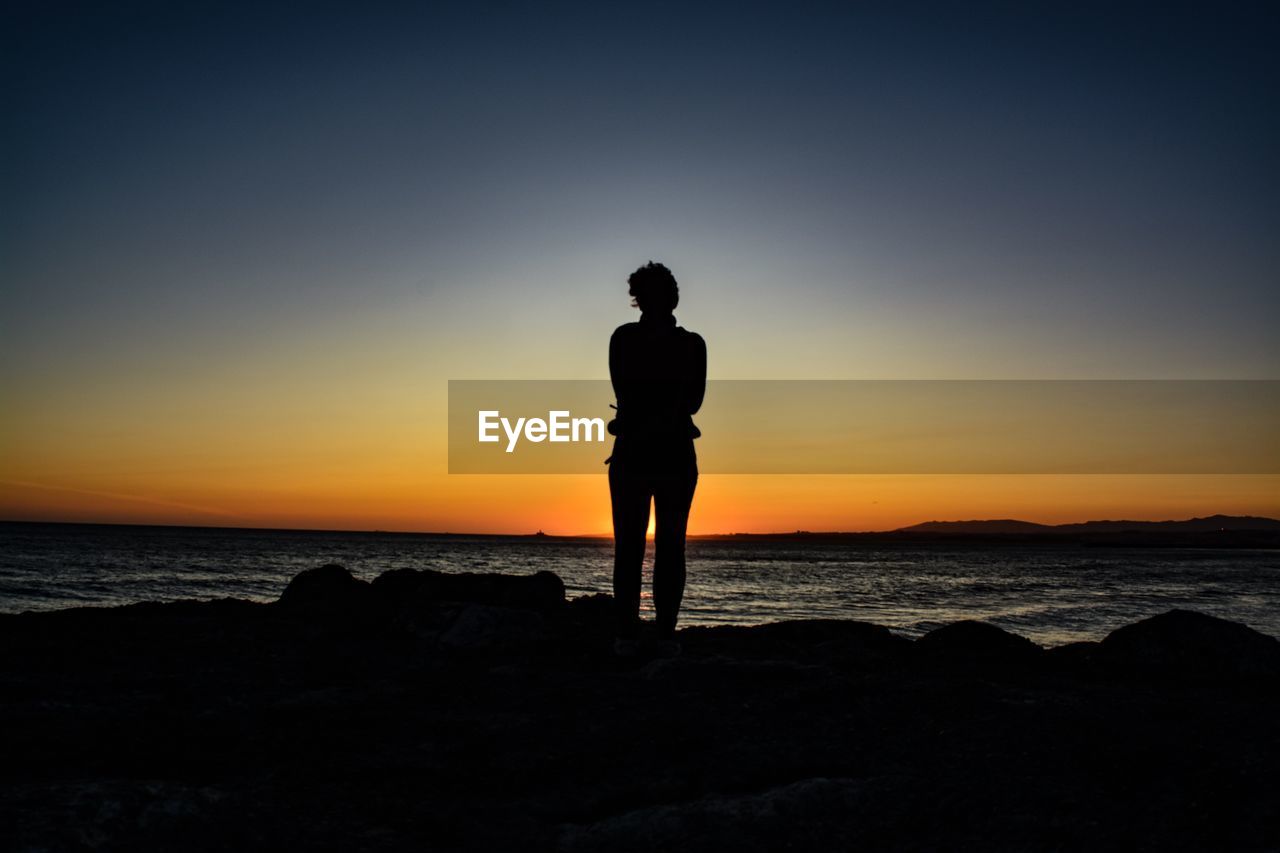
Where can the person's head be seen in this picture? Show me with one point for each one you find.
(654, 289)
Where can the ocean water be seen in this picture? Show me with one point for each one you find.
(1050, 593)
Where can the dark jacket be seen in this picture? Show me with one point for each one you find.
(659, 373)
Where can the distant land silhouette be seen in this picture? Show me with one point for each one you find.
(1213, 523)
(1215, 531)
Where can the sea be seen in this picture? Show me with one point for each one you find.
(1051, 593)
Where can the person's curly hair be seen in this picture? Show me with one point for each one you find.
(654, 288)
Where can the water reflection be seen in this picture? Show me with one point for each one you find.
(1050, 594)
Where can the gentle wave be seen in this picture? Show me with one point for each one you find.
(1052, 594)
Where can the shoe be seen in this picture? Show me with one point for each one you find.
(626, 647)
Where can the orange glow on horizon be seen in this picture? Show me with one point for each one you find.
(308, 439)
(579, 505)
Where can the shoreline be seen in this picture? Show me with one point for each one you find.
(481, 712)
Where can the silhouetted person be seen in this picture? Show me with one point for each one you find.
(659, 374)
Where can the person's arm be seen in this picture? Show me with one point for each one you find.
(697, 387)
(615, 364)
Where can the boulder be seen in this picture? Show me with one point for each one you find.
(732, 674)
(1079, 658)
(330, 585)
(810, 814)
(835, 641)
(975, 644)
(595, 609)
(1184, 644)
(541, 591)
(398, 585)
(590, 618)
(489, 628)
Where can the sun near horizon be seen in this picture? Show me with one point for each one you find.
(569, 505)
(240, 270)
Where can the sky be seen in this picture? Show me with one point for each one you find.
(243, 247)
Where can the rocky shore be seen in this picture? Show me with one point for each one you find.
(432, 711)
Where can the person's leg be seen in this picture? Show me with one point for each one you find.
(672, 499)
(629, 495)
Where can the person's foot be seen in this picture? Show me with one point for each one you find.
(626, 647)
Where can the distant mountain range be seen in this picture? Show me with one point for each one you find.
(1216, 531)
(1005, 526)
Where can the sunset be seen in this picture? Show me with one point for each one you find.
(235, 290)
(512, 378)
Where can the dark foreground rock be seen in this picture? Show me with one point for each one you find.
(426, 711)
(1186, 646)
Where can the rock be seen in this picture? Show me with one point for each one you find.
(593, 612)
(975, 644)
(1079, 658)
(413, 589)
(702, 673)
(1183, 644)
(240, 726)
(832, 641)
(328, 585)
(425, 624)
(490, 628)
(810, 814)
(398, 585)
(542, 591)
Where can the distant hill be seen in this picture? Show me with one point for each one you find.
(1004, 526)
(1211, 524)
(1216, 531)
(985, 528)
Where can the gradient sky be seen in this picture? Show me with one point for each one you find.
(243, 247)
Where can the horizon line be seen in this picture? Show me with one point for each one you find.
(541, 534)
